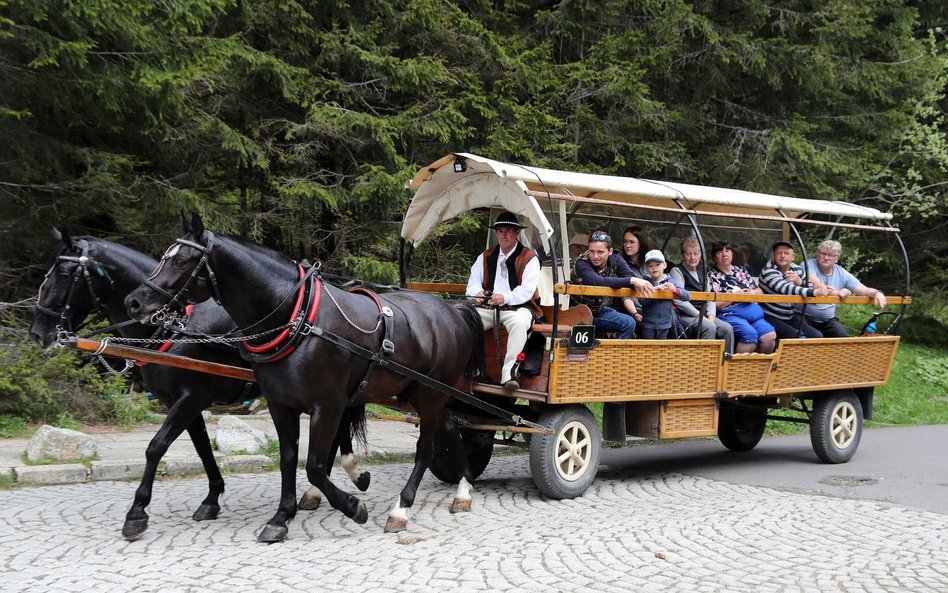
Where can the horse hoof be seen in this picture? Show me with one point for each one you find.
(272, 534)
(395, 524)
(461, 506)
(309, 501)
(134, 528)
(206, 512)
(363, 482)
(361, 514)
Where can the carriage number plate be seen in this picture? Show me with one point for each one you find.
(582, 337)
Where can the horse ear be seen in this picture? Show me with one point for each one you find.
(185, 225)
(197, 225)
(63, 236)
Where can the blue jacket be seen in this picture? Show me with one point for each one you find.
(657, 313)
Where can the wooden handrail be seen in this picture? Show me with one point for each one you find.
(695, 296)
(724, 296)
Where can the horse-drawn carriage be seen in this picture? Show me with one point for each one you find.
(665, 388)
(319, 355)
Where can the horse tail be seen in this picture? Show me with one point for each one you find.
(354, 416)
(476, 363)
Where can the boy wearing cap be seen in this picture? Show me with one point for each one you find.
(657, 315)
(504, 283)
(782, 276)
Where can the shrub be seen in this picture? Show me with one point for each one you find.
(55, 386)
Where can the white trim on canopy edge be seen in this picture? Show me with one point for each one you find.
(442, 194)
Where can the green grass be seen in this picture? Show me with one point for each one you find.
(13, 427)
(917, 392)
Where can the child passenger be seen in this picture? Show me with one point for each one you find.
(657, 315)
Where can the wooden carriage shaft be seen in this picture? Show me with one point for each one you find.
(163, 358)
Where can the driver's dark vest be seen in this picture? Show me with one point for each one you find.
(516, 264)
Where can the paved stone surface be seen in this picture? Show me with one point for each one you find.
(650, 531)
(121, 454)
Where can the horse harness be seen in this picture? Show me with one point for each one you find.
(85, 262)
(303, 323)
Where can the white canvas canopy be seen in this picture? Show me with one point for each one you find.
(442, 194)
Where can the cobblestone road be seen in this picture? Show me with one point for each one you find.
(648, 532)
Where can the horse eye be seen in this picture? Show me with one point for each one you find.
(179, 262)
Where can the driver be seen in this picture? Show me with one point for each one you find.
(504, 283)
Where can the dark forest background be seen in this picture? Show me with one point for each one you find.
(296, 123)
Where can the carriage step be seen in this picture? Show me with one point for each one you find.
(492, 389)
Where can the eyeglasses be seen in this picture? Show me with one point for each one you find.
(824, 254)
(599, 236)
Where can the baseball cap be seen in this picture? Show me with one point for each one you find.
(654, 255)
(781, 243)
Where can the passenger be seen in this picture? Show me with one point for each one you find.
(825, 270)
(747, 318)
(601, 266)
(658, 316)
(577, 246)
(634, 246)
(504, 283)
(689, 273)
(782, 276)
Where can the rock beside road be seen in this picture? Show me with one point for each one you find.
(60, 444)
(236, 436)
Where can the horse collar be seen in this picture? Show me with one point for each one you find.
(303, 316)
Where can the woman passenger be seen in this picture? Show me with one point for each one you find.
(689, 273)
(747, 319)
(634, 247)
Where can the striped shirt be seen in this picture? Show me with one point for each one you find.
(772, 282)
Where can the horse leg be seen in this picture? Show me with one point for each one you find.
(185, 410)
(210, 506)
(452, 436)
(287, 424)
(320, 441)
(350, 463)
(430, 416)
(343, 442)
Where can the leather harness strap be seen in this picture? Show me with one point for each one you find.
(386, 350)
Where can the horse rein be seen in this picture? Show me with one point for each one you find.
(180, 299)
(84, 261)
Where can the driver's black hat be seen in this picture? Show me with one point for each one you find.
(507, 219)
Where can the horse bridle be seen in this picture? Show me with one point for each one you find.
(84, 261)
(180, 298)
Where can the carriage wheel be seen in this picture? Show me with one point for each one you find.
(739, 427)
(564, 464)
(478, 448)
(836, 427)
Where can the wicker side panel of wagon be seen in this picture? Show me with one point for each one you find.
(832, 363)
(637, 370)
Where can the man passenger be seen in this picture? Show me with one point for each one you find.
(825, 269)
(602, 266)
(782, 276)
(504, 283)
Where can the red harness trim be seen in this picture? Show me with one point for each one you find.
(167, 345)
(310, 317)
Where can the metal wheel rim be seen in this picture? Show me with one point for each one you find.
(573, 451)
(843, 425)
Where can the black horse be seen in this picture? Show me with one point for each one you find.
(310, 369)
(87, 274)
